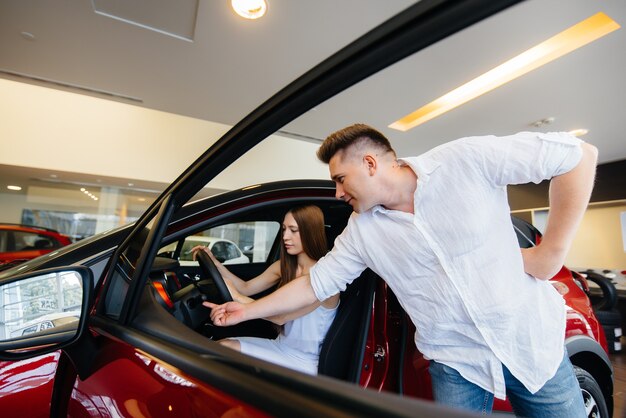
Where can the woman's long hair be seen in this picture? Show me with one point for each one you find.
(310, 220)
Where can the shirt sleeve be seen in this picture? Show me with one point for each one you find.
(337, 269)
(527, 156)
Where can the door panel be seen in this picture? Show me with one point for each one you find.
(131, 383)
(26, 386)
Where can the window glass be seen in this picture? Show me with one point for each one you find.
(245, 241)
(23, 241)
(3, 241)
(235, 243)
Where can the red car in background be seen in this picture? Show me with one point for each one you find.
(144, 345)
(25, 242)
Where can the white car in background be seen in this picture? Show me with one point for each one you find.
(226, 251)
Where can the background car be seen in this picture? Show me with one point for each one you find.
(144, 344)
(226, 251)
(25, 242)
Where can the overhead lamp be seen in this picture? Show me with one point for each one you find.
(567, 41)
(579, 132)
(16, 188)
(249, 9)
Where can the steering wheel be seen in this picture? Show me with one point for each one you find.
(212, 283)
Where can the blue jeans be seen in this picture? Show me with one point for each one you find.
(559, 397)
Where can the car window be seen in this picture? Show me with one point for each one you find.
(23, 241)
(219, 250)
(4, 237)
(26, 241)
(233, 243)
(244, 242)
(231, 251)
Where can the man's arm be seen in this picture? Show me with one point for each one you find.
(569, 196)
(294, 296)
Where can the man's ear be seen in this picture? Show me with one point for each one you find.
(371, 163)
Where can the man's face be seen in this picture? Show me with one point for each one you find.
(353, 181)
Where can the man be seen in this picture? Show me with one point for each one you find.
(437, 229)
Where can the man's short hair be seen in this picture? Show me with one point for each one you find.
(354, 134)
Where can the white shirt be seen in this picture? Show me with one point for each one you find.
(456, 266)
(299, 346)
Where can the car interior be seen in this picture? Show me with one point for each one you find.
(180, 290)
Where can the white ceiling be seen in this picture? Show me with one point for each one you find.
(231, 66)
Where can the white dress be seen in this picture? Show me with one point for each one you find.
(298, 347)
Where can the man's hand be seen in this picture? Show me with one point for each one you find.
(542, 262)
(230, 313)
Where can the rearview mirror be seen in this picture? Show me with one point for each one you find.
(43, 311)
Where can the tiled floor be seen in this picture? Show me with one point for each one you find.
(619, 384)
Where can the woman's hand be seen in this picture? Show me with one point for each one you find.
(230, 313)
(197, 248)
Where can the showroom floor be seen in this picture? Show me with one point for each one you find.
(619, 381)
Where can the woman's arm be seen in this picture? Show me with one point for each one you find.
(262, 282)
(237, 297)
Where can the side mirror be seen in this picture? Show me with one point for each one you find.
(43, 311)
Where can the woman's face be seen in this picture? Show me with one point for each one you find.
(291, 235)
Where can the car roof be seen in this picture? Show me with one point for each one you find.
(28, 228)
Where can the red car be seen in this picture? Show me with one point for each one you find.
(25, 242)
(144, 345)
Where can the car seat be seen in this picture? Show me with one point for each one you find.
(343, 348)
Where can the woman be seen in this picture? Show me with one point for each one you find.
(298, 346)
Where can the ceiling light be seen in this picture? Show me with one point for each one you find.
(579, 132)
(28, 36)
(88, 193)
(249, 9)
(16, 188)
(542, 122)
(567, 41)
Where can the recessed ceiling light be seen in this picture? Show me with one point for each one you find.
(28, 36)
(542, 122)
(16, 188)
(567, 41)
(249, 9)
(579, 132)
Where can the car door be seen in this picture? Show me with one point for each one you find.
(140, 360)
